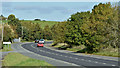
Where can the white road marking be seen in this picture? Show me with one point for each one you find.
(96, 62)
(104, 63)
(82, 59)
(61, 55)
(52, 53)
(65, 56)
(70, 57)
(89, 60)
(113, 65)
(49, 57)
(76, 58)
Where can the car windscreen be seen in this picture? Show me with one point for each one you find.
(40, 43)
(41, 39)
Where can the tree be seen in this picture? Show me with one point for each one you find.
(11, 17)
(37, 20)
(2, 17)
(8, 35)
(74, 35)
(47, 33)
(58, 32)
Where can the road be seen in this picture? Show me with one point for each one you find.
(70, 58)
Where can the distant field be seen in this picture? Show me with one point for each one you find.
(42, 23)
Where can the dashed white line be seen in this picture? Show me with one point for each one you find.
(113, 65)
(89, 60)
(61, 55)
(70, 57)
(96, 62)
(49, 57)
(104, 63)
(82, 59)
(76, 58)
(65, 56)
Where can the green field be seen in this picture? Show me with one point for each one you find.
(42, 23)
(16, 59)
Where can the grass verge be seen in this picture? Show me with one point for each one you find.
(6, 48)
(113, 52)
(16, 59)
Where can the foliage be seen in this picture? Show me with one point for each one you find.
(96, 30)
(58, 32)
(37, 20)
(47, 33)
(2, 17)
(8, 35)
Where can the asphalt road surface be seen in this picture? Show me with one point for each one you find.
(70, 58)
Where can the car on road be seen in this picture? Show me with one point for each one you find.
(40, 44)
(36, 41)
(42, 41)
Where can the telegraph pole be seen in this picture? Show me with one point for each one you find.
(2, 31)
(22, 32)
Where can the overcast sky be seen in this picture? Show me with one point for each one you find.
(50, 11)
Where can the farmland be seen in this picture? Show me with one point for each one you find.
(42, 23)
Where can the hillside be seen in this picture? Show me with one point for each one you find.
(42, 23)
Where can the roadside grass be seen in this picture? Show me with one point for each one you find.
(104, 52)
(42, 23)
(57, 46)
(76, 48)
(17, 59)
(114, 52)
(6, 48)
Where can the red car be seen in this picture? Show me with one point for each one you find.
(40, 45)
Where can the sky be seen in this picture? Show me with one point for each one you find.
(50, 11)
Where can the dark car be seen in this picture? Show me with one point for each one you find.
(36, 41)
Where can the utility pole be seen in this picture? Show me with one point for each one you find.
(2, 31)
(22, 31)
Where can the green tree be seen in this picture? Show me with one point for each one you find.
(47, 33)
(58, 32)
(11, 17)
(8, 35)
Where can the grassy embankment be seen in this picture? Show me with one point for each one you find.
(104, 52)
(16, 59)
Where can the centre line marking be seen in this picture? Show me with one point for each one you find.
(96, 62)
(113, 65)
(76, 58)
(82, 59)
(70, 57)
(89, 60)
(104, 63)
(65, 56)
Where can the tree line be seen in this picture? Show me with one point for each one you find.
(28, 31)
(95, 30)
